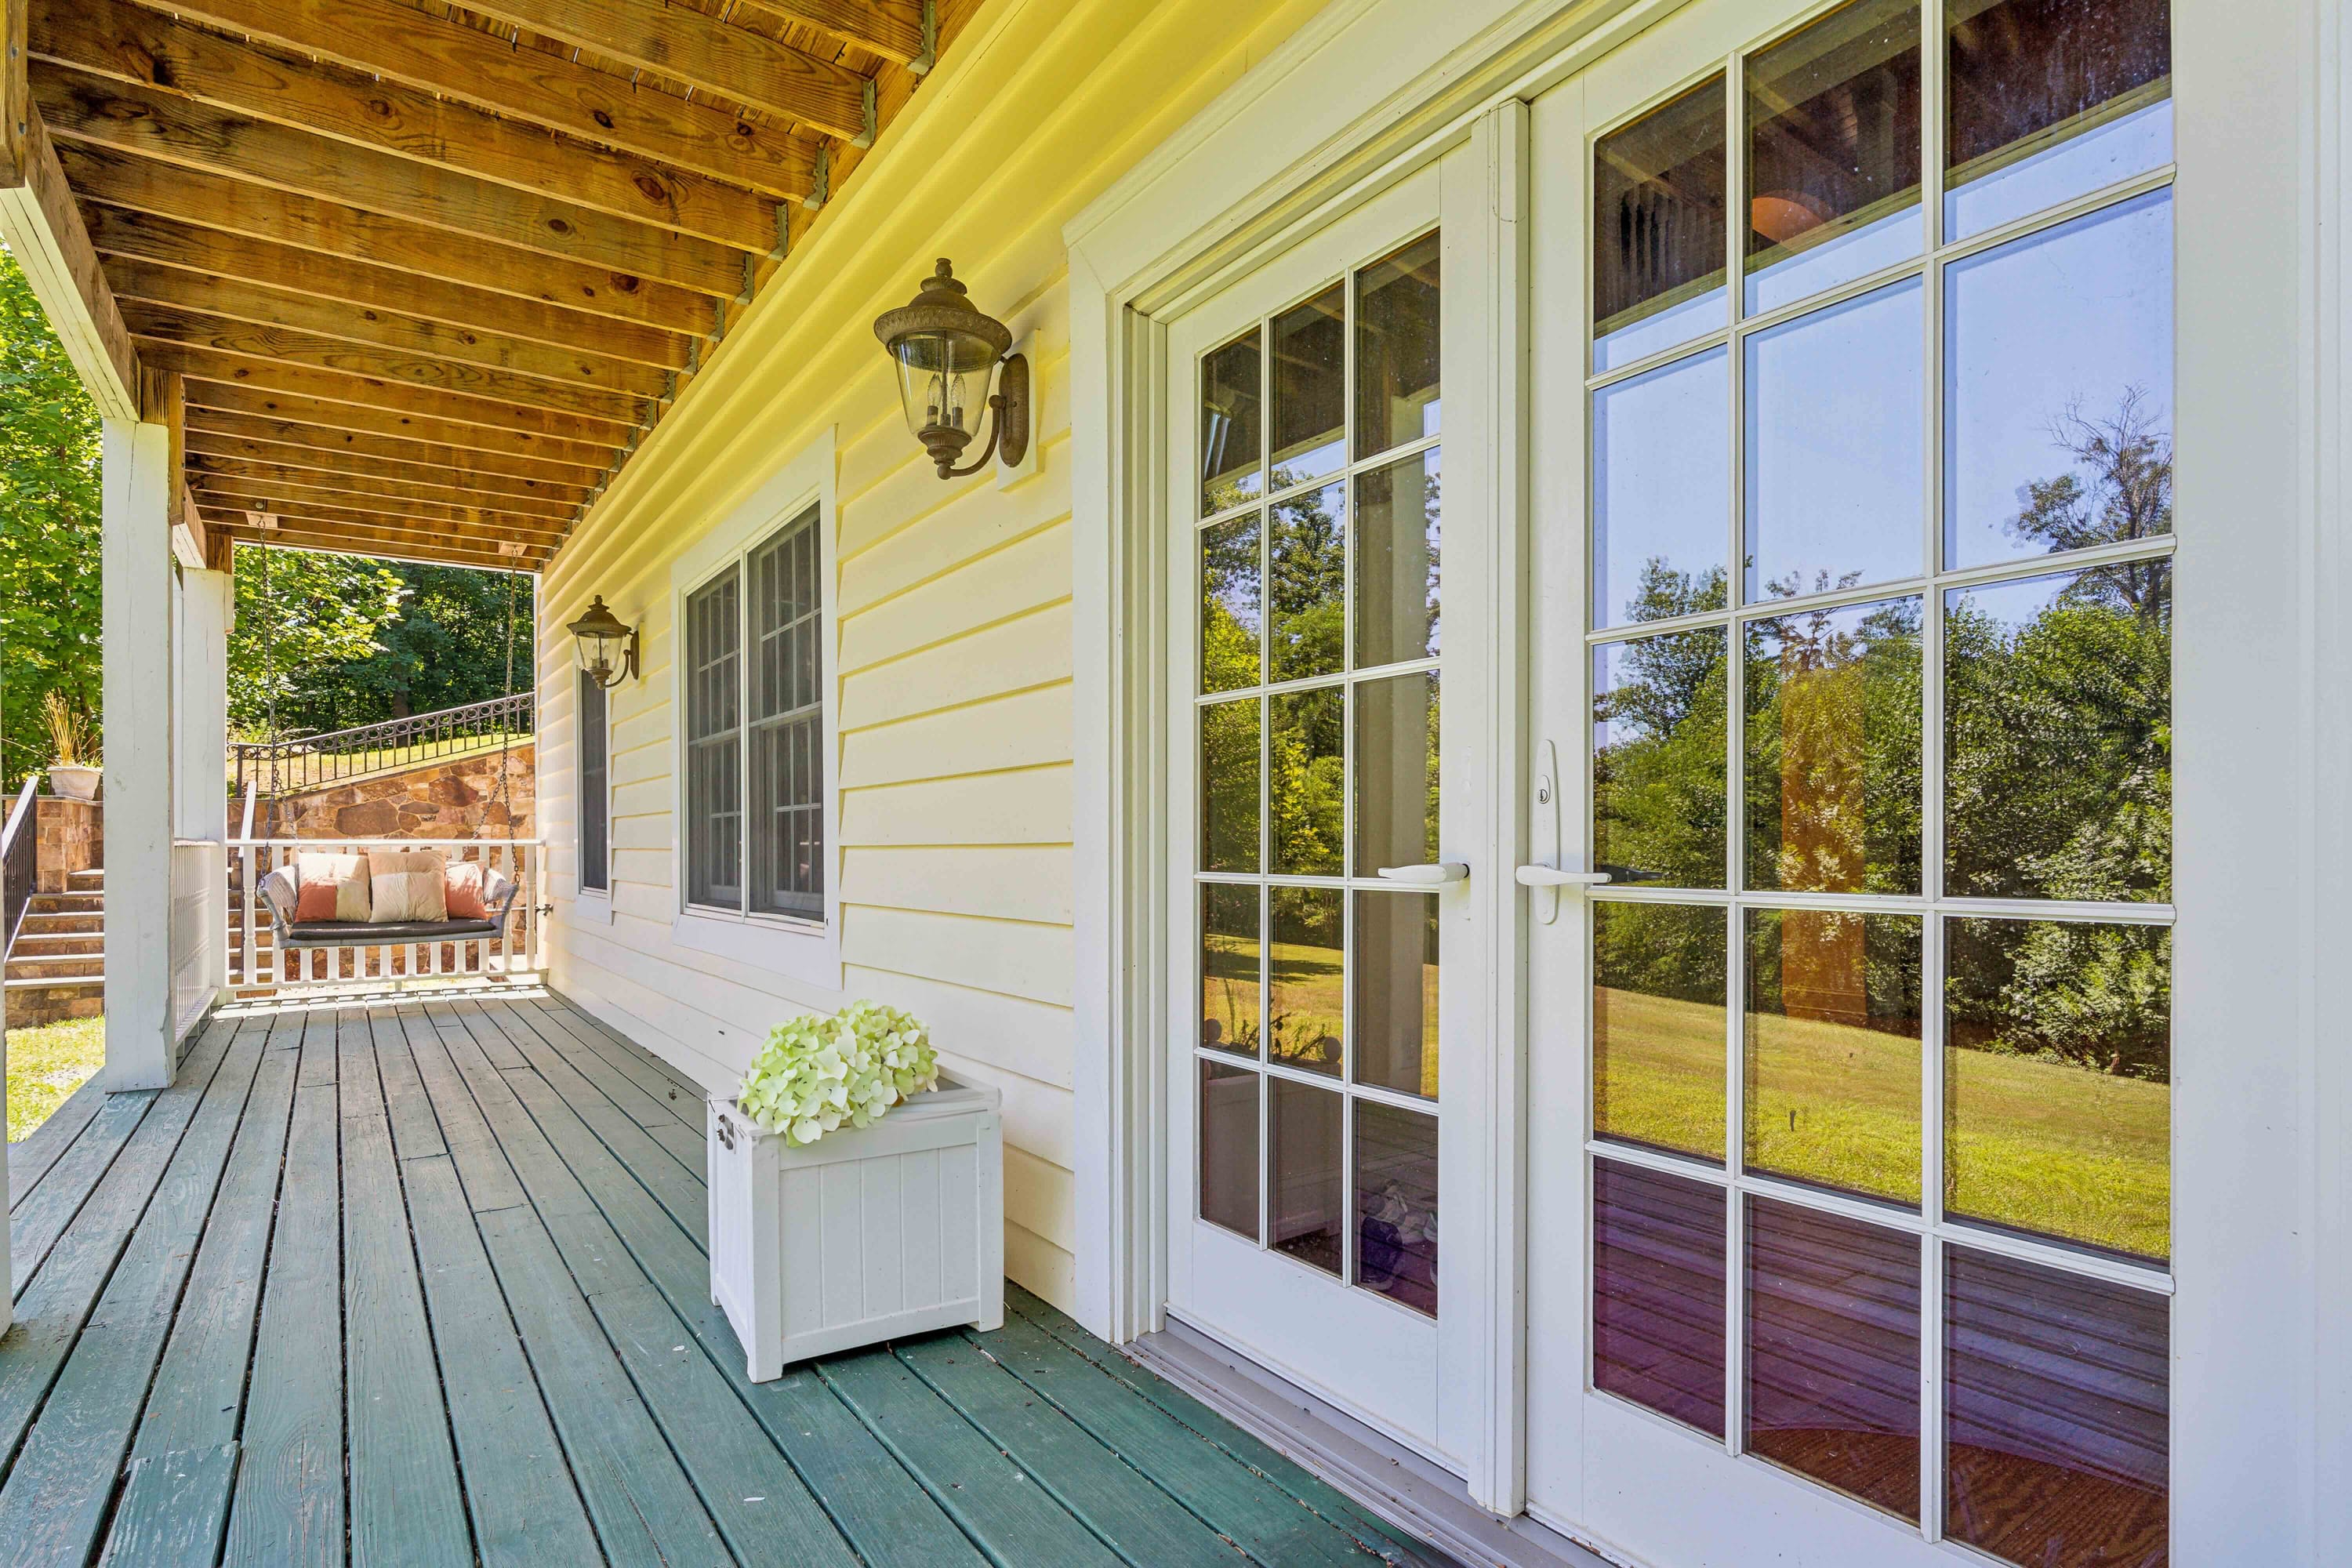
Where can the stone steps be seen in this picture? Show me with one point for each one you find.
(58, 967)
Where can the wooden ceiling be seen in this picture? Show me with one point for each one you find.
(417, 278)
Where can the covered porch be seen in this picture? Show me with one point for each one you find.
(424, 1280)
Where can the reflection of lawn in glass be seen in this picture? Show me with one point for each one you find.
(2036, 1145)
(1834, 1104)
(1229, 991)
(1658, 1071)
(1307, 1004)
(2065, 1151)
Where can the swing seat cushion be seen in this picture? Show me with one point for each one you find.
(404, 887)
(279, 892)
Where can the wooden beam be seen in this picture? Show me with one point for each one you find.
(337, 229)
(220, 548)
(385, 545)
(461, 487)
(141, 49)
(234, 398)
(230, 336)
(43, 229)
(119, 231)
(229, 494)
(274, 477)
(88, 108)
(891, 29)
(396, 41)
(375, 394)
(264, 307)
(192, 540)
(454, 459)
(296, 512)
(160, 403)
(700, 52)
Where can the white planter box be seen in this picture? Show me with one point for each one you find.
(864, 1235)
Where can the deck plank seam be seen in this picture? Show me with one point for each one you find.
(130, 1133)
(565, 1057)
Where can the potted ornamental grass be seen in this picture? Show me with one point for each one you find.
(75, 773)
(856, 1194)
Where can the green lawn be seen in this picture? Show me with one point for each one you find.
(46, 1064)
(2039, 1145)
(1308, 1002)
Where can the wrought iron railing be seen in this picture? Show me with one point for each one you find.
(308, 762)
(20, 861)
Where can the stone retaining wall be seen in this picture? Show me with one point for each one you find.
(450, 799)
(72, 838)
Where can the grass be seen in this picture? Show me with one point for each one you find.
(2040, 1146)
(1307, 1005)
(352, 766)
(46, 1064)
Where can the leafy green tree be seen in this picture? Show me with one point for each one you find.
(301, 613)
(50, 530)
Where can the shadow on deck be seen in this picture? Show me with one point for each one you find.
(424, 1282)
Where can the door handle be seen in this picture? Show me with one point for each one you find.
(1549, 877)
(1434, 876)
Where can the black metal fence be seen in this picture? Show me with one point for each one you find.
(307, 761)
(20, 860)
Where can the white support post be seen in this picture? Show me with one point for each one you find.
(200, 733)
(138, 482)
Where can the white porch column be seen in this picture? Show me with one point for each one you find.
(138, 481)
(200, 735)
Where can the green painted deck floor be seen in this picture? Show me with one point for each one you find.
(424, 1282)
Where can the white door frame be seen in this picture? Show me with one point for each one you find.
(1370, 89)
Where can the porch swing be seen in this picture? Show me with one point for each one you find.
(280, 889)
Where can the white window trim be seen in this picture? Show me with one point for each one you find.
(799, 949)
(591, 905)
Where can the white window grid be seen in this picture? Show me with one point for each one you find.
(1928, 1222)
(1353, 878)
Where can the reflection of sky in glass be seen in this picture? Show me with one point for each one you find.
(1867, 249)
(1656, 333)
(1661, 470)
(2014, 606)
(1834, 445)
(2138, 141)
(2075, 317)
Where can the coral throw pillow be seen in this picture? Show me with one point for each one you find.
(405, 885)
(331, 887)
(462, 886)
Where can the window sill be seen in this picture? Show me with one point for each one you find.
(592, 906)
(799, 950)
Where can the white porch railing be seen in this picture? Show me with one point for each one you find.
(514, 953)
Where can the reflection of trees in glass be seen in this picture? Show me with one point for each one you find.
(1230, 607)
(1834, 700)
(2087, 994)
(1229, 786)
(1397, 561)
(1306, 593)
(1308, 782)
(1307, 1005)
(2128, 457)
(1658, 764)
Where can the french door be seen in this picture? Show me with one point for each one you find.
(1854, 576)
(1312, 912)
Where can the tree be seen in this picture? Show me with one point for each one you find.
(300, 615)
(50, 530)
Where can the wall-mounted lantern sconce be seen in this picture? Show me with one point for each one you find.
(946, 352)
(608, 645)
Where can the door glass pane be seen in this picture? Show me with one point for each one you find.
(1396, 349)
(1310, 388)
(1396, 561)
(1396, 992)
(1661, 491)
(1229, 792)
(1229, 604)
(1307, 1005)
(2056, 1416)
(1309, 1207)
(1307, 588)
(1658, 1273)
(1832, 1049)
(1658, 709)
(1835, 415)
(1308, 786)
(1658, 230)
(1834, 1351)
(2058, 413)
(2058, 1080)
(1230, 958)
(1229, 474)
(1396, 1204)
(2058, 736)
(1834, 702)
(1229, 1147)
(2050, 99)
(1396, 773)
(1658, 1026)
(1833, 151)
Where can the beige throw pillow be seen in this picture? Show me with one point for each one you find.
(331, 887)
(405, 885)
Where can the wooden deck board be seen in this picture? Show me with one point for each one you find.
(29, 1160)
(424, 1282)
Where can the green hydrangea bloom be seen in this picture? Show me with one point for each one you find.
(816, 1073)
